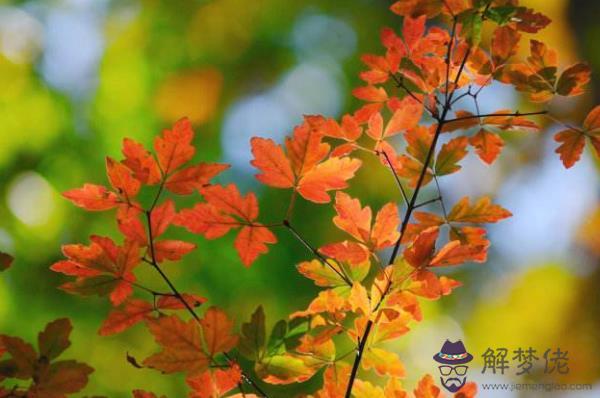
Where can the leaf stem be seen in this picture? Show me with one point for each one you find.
(398, 182)
(314, 251)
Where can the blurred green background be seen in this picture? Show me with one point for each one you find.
(77, 76)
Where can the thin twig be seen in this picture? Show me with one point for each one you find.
(427, 202)
(318, 255)
(398, 182)
(517, 113)
(449, 56)
(441, 197)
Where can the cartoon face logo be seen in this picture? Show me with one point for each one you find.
(453, 357)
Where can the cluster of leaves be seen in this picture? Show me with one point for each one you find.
(410, 93)
(48, 377)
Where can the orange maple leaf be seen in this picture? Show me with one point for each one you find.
(225, 209)
(304, 167)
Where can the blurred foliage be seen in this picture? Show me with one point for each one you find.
(161, 60)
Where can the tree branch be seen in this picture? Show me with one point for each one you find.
(407, 217)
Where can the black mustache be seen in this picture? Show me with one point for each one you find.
(452, 380)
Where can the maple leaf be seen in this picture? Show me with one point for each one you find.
(383, 362)
(455, 253)
(351, 218)
(217, 331)
(332, 174)
(364, 389)
(286, 367)
(174, 148)
(448, 157)
(190, 346)
(273, 163)
(505, 43)
(172, 250)
(141, 162)
(253, 336)
(227, 209)
(530, 21)
(102, 268)
(121, 178)
(412, 30)
(326, 275)
(482, 211)
(571, 146)
(356, 221)
(419, 141)
(426, 388)
(358, 299)
(379, 71)
(538, 77)
(573, 140)
(52, 379)
(487, 145)
(351, 252)
(370, 94)
(214, 384)
(330, 301)
(288, 355)
(119, 320)
(61, 378)
(189, 179)
(304, 167)
(335, 380)
(23, 358)
(93, 197)
(54, 339)
(573, 79)
(419, 254)
(348, 130)
(405, 117)
(415, 8)
(181, 344)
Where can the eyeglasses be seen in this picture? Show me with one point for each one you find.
(447, 370)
